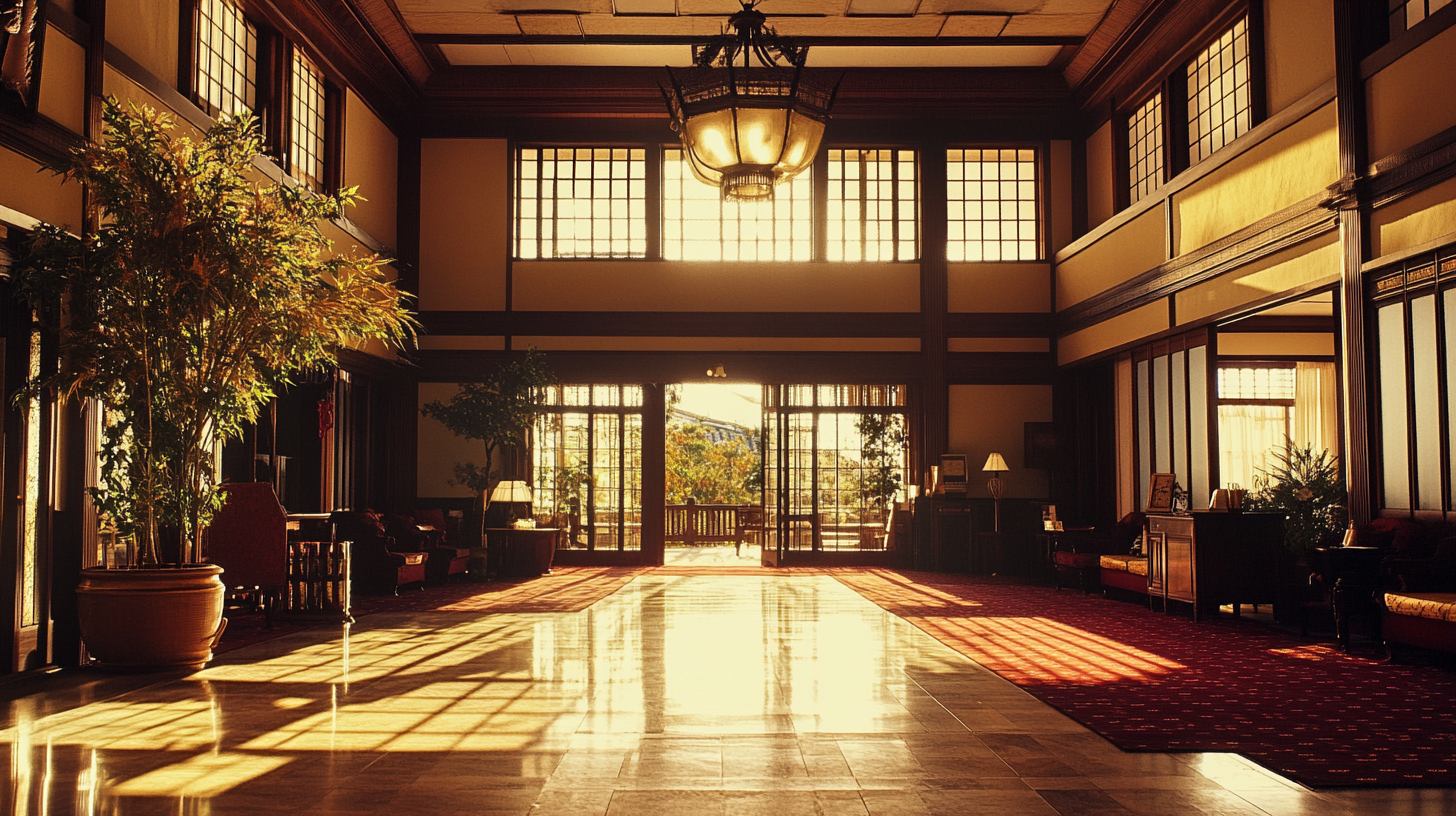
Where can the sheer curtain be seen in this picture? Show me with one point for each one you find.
(1314, 406)
(1249, 437)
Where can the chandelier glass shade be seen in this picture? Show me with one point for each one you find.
(745, 129)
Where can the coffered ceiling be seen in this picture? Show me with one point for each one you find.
(842, 33)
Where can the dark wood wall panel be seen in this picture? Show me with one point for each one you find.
(730, 324)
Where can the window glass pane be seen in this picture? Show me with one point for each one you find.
(1427, 393)
(307, 150)
(1394, 438)
(1145, 148)
(698, 225)
(1198, 426)
(1144, 432)
(991, 206)
(227, 53)
(581, 203)
(1180, 418)
(872, 207)
(1218, 93)
(1162, 450)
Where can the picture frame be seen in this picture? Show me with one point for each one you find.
(1160, 493)
(953, 472)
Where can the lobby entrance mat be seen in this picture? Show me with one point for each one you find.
(566, 589)
(1154, 682)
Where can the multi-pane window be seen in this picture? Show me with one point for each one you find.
(1219, 108)
(306, 151)
(1145, 148)
(227, 58)
(587, 465)
(1413, 321)
(872, 206)
(1406, 13)
(699, 225)
(581, 202)
(991, 204)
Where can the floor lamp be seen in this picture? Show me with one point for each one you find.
(995, 465)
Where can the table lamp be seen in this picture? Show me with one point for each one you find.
(995, 465)
(512, 494)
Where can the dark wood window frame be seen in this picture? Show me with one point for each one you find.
(1172, 82)
(1041, 159)
(1424, 275)
(273, 95)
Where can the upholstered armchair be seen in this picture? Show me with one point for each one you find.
(378, 566)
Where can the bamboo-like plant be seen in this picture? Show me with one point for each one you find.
(200, 293)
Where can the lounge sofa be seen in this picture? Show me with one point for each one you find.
(1419, 608)
(378, 567)
(1084, 554)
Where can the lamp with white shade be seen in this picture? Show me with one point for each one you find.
(996, 465)
(512, 493)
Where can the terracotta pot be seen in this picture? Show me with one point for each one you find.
(151, 619)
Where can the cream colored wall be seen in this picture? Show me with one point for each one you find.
(439, 449)
(992, 418)
(1299, 49)
(1101, 202)
(1276, 344)
(664, 286)
(63, 85)
(37, 193)
(371, 161)
(463, 224)
(1060, 189)
(1411, 99)
(1310, 263)
(997, 287)
(1133, 248)
(146, 31)
(1426, 216)
(1128, 327)
(1294, 164)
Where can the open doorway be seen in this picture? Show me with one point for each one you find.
(714, 475)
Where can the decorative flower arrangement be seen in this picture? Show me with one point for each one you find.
(1305, 486)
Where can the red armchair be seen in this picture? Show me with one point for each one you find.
(378, 567)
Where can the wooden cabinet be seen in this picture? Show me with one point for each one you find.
(1210, 559)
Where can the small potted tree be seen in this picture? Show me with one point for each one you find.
(200, 293)
(498, 411)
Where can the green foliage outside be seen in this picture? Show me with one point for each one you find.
(498, 411)
(201, 293)
(708, 472)
(883, 441)
(1304, 486)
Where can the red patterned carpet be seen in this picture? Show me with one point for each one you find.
(1152, 682)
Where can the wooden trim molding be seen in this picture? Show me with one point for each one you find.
(1274, 233)
(731, 324)
(675, 366)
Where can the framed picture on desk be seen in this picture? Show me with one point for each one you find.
(1160, 493)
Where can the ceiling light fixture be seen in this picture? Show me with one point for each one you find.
(746, 129)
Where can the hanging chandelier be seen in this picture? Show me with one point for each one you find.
(745, 129)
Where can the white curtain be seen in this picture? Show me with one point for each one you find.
(1315, 413)
(1249, 436)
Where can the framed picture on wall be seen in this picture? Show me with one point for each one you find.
(1160, 493)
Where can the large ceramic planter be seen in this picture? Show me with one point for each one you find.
(151, 619)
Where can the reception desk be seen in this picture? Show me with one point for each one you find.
(513, 552)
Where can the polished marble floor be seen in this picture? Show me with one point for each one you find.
(678, 696)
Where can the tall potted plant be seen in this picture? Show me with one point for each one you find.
(497, 411)
(200, 292)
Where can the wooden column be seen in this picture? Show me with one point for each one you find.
(1353, 222)
(654, 473)
(935, 395)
